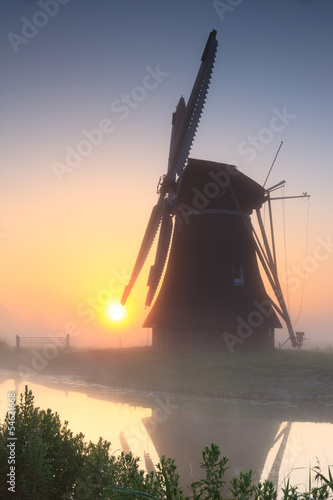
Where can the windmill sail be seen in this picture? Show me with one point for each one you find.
(212, 295)
(185, 123)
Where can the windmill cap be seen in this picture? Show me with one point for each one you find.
(212, 185)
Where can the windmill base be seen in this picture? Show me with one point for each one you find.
(213, 339)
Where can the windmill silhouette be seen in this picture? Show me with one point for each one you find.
(212, 295)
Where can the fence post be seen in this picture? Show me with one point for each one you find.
(67, 341)
(17, 347)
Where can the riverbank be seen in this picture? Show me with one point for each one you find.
(277, 375)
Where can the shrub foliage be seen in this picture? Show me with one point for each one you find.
(51, 463)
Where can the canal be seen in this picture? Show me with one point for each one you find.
(278, 440)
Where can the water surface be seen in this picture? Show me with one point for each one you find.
(276, 440)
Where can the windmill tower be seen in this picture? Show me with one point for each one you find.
(212, 295)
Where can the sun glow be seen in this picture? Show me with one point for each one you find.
(115, 312)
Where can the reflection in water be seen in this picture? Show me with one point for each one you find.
(309, 444)
(244, 438)
(275, 440)
(275, 456)
(92, 416)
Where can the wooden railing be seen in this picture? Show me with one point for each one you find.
(59, 341)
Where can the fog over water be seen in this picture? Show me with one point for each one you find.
(274, 439)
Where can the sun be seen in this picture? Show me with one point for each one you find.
(115, 312)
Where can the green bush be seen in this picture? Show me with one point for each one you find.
(52, 464)
(48, 457)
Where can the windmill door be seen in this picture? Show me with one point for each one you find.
(160, 338)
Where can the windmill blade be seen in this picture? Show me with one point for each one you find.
(156, 270)
(177, 121)
(185, 123)
(149, 236)
(182, 139)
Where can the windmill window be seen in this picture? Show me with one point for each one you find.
(237, 273)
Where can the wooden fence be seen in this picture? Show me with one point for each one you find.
(59, 341)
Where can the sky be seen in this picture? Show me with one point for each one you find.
(88, 92)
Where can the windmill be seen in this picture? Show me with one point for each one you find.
(212, 294)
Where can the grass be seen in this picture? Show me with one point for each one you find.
(280, 373)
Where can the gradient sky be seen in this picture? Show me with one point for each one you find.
(70, 227)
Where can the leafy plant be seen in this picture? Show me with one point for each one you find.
(48, 457)
(51, 464)
(265, 491)
(215, 469)
(242, 487)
